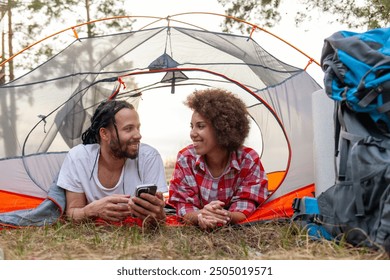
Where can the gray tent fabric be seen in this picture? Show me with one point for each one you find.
(47, 213)
(144, 67)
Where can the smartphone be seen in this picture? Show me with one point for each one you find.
(146, 188)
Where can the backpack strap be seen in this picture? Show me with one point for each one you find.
(356, 180)
(337, 127)
(385, 88)
(382, 72)
(346, 139)
(342, 140)
(355, 170)
(374, 93)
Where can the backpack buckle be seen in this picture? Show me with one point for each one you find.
(295, 205)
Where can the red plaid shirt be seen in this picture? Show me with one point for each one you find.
(242, 186)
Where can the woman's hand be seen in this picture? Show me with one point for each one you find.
(213, 214)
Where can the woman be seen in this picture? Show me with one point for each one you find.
(217, 180)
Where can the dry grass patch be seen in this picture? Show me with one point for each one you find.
(273, 241)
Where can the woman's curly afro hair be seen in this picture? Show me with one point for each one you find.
(226, 113)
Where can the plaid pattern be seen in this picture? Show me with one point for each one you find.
(242, 186)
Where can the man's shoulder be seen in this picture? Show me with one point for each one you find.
(148, 150)
(82, 150)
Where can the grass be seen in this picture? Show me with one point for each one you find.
(272, 241)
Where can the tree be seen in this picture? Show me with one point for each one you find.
(367, 14)
(29, 18)
(264, 12)
(6, 10)
(81, 11)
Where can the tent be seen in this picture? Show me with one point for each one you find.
(44, 112)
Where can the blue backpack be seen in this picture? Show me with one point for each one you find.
(357, 207)
(357, 71)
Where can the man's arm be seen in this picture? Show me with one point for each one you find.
(75, 204)
(111, 208)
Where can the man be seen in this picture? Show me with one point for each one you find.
(100, 176)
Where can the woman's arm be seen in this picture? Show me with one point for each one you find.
(213, 215)
(191, 218)
(236, 217)
(252, 188)
(183, 188)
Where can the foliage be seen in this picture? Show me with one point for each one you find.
(31, 20)
(366, 14)
(264, 11)
(354, 13)
(81, 11)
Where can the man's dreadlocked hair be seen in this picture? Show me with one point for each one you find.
(104, 116)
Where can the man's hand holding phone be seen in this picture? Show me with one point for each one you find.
(147, 188)
(148, 203)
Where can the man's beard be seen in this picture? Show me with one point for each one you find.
(121, 152)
